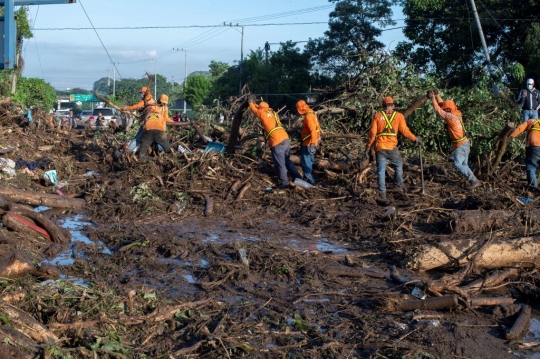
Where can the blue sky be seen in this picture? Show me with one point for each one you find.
(68, 58)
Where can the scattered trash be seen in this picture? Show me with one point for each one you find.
(418, 293)
(21, 163)
(183, 149)
(243, 256)
(8, 166)
(176, 207)
(524, 200)
(91, 173)
(215, 147)
(301, 183)
(43, 162)
(27, 171)
(51, 177)
(390, 211)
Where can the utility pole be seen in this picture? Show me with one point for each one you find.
(266, 49)
(185, 76)
(114, 77)
(173, 83)
(155, 79)
(241, 54)
(481, 33)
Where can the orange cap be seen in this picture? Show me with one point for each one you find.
(144, 90)
(263, 105)
(387, 100)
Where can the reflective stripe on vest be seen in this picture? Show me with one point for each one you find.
(388, 125)
(316, 130)
(463, 127)
(535, 128)
(278, 124)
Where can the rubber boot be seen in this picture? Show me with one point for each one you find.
(382, 199)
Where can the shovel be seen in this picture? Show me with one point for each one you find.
(421, 167)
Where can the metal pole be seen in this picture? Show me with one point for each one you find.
(185, 79)
(155, 78)
(481, 33)
(114, 82)
(241, 60)
(173, 83)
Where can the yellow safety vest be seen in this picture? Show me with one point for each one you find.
(463, 127)
(316, 130)
(279, 126)
(388, 129)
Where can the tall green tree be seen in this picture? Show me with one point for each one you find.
(34, 92)
(444, 38)
(197, 90)
(354, 26)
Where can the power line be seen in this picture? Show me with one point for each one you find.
(174, 27)
(102, 44)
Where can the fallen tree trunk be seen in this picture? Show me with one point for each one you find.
(235, 127)
(498, 253)
(40, 199)
(58, 234)
(448, 301)
(486, 221)
(26, 324)
(520, 324)
(324, 164)
(24, 225)
(500, 146)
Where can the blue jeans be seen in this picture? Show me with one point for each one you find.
(461, 159)
(532, 156)
(393, 156)
(281, 154)
(306, 161)
(529, 114)
(137, 140)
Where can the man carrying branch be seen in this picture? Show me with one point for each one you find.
(448, 111)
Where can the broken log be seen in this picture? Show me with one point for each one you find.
(447, 301)
(491, 281)
(58, 234)
(520, 324)
(488, 302)
(235, 127)
(40, 199)
(419, 102)
(324, 164)
(356, 272)
(487, 221)
(26, 324)
(208, 205)
(24, 225)
(498, 253)
(500, 146)
(16, 265)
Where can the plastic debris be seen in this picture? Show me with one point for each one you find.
(525, 200)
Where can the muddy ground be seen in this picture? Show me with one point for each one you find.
(289, 273)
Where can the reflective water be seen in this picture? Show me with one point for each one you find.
(75, 224)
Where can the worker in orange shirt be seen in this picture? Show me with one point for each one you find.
(384, 129)
(449, 112)
(532, 149)
(310, 137)
(278, 140)
(154, 128)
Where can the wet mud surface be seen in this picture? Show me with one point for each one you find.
(291, 273)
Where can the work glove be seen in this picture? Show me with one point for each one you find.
(123, 108)
(312, 148)
(430, 94)
(252, 98)
(418, 140)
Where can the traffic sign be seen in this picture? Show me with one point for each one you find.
(83, 98)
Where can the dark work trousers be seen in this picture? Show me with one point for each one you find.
(281, 154)
(532, 156)
(151, 136)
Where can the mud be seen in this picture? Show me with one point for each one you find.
(314, 282)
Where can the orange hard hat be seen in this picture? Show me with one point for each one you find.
(263, 105)
(144, 89)
(164, 99)
(387, 100)
(448, 104)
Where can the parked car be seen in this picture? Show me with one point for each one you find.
(85, 115)
(108, 113)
